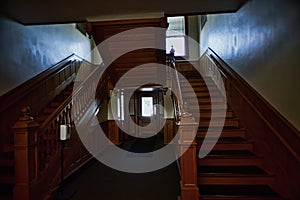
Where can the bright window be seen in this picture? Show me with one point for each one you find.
(175, 36)
(147, 106)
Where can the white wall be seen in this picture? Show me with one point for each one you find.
(28, 50)
(262, 43)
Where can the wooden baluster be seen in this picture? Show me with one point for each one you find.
(46, 138)
(57, 144)
(188, 161)
(51, 133)
(26, 155)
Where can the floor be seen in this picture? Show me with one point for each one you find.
(98, 181)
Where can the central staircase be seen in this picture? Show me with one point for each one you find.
(231, 170)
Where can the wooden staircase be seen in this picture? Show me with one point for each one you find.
(54, 104)
(7, 177)
(231, 170)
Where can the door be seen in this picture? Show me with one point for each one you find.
(148, 112)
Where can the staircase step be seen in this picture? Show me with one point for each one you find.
(198, 83)
(200, 90)
(218, 114)
(7, 159)
(219, 123)
(248, 169)
(200, 94)
(235, 179)
(229, 161)
(241, 133)
(203, 100)
(7, 176)
(218, 197)
(207, 107)
(224, 146)
(225, 192)
(231, 153)
(6, 192)
(222, 139)
(8, 148)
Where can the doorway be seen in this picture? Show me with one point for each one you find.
(148, 112)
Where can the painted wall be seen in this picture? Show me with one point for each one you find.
(193, 33)
(262, 43)
(26, 51)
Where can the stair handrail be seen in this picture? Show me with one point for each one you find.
(68, 101)
(68, 112)
(186, 141)
(177, 99)
(40, 142)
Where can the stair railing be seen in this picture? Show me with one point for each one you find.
(37, 145)
(177, 97)
(187, 143)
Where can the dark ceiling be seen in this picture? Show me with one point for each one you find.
(58, 11)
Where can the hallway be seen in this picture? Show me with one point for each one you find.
(98, 181)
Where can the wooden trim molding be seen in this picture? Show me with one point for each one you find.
(275, 139)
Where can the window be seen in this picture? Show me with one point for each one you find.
(147, 106)
(175, 36)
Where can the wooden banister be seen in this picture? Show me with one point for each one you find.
(175, 85)
(187, 143)
(26, 158)
(36, 93)
(37, 145)
(275, 139)
(188, 160)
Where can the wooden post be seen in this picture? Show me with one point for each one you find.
(188, 161)
(25, 149)
(113, 132)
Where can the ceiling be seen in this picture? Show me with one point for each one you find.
(58, 11)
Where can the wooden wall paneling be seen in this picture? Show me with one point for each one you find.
(106, 29)
(188, 160)
(113, 132)
(169, 130)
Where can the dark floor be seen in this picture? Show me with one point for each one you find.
(100, 182)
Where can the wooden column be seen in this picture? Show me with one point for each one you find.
(25, 149)
(113, 132)
(188, 161)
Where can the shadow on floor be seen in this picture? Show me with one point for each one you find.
(98, 181)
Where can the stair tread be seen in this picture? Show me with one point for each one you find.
(237, 191)
(235, 179)
(230, 153)
(7, 177)
(222, 197)
(232, 170)
(223, 139)
(6, 162)
(215, 160)
(236, 132)
(8, 148)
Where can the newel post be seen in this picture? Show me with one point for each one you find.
(25, 149)
(188, 161)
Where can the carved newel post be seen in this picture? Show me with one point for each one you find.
(25, 149)
(188, 161)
